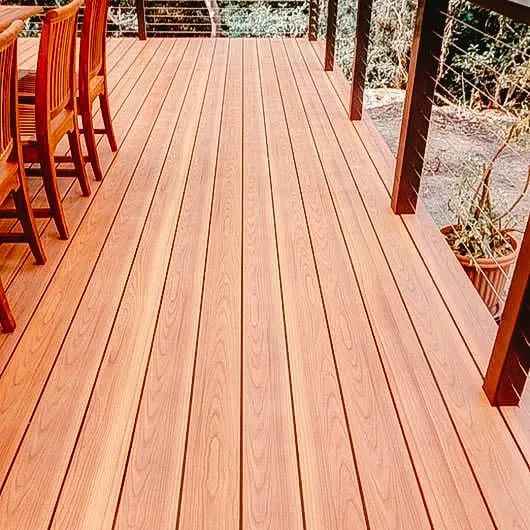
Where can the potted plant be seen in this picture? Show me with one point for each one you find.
(482, 237)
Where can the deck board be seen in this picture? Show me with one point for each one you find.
(443, 475)
(210, 491)
(37, 351)
(393, 496)
(271, 496)
(330, 488)
(173, 349)
(239, 332)
(123, 314)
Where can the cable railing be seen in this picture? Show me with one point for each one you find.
(122, 18)
(465, 120)
(195, 18)
(222, 18)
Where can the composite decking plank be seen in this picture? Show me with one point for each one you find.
(210, 488)
(329, 482)
(13, 256)
(271, 493)
(449, 488)
(30, 282)
(25, 377)
(392, 494)
(471, 315)
(497, 463)
(122, 339)
(149, 497)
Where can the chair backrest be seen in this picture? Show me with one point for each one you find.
(56, 84)
(93, 37)
(8, 89)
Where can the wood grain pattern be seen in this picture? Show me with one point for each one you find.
(444, 473)
(271, 496)
(393, 497)
(30, 284)
(36, 352)
(124, 302)
(329, 483)
(210, 489)
(9, 14)
(152, 482)
(482, 433)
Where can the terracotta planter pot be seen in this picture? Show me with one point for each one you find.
(491, 278)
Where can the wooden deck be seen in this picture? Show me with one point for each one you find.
(239, 333)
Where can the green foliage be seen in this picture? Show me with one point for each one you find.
(390, 40)
(488, 60)
(264, 19)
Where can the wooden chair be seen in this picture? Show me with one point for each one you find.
(48, 108)
(92, 81)
(12, 176)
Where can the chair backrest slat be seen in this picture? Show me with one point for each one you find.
(8, 76)
(93, 35)
(56, 87)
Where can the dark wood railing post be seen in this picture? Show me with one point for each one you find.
(360, 58)
(510, 361)
(314, 12)
(331, 33)
(425, 58)
(140, 14)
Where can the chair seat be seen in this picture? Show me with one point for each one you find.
(28, 132)
(27, 81)
(8, 179)
(60, 124)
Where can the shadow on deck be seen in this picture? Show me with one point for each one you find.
(240, 329)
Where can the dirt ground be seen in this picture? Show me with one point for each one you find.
(460, 141)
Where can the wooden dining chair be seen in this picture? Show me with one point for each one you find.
(48, 108)
(93, 79)
(12, 176)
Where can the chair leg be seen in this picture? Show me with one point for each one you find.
(90, 139)
(79, 162)
(49, 177)
(7, 320)
(27, 220)
(107, 119)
